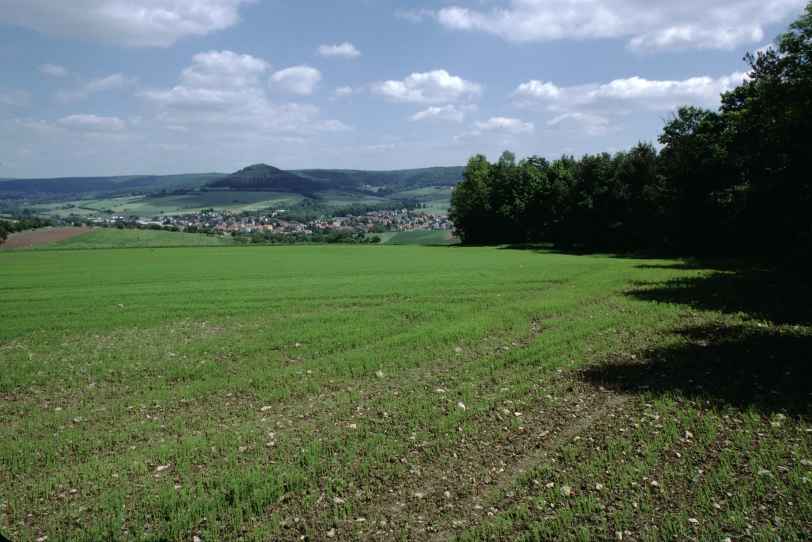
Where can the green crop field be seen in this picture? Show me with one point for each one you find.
(400, 393)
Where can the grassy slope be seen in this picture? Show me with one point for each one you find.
(114, 238)
(398, 392)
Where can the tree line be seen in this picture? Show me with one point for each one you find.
(732, 181)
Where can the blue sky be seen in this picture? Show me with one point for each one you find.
(102, 87)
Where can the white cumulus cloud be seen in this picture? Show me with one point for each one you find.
(646, 25)
(538, 90)
(300, 80)
(634, 91)
(225, 90)
(340, 50)
(434, 87)
(224, 69)
(139, 23)
(219, 81)
(664, 94)
(595, 108)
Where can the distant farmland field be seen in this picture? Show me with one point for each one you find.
(436, 200)
(400, 393)
(42, 237)
(171, 204)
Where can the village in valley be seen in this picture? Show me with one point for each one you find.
(279, 222)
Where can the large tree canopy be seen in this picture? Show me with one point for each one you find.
(734, 180)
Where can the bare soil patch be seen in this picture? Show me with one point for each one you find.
(30, 238)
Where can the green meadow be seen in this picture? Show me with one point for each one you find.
(399, 393)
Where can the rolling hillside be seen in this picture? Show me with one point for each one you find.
(262, 177)
(311, 181)
(93, 187)
(258, 177)
(256, 187)
(398, 180)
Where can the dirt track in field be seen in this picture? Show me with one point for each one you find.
(30, 238)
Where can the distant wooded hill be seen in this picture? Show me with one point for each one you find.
(91, 187)
(258, 177)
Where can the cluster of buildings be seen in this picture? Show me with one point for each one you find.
(380, 221)
(277, 222)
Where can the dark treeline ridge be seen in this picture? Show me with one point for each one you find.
(734, 181)
(8, 227)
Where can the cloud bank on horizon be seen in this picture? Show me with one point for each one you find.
(162, 86)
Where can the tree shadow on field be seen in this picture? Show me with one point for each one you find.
(780, 297)
(761, 361)
(551, 248)
(740, 366)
